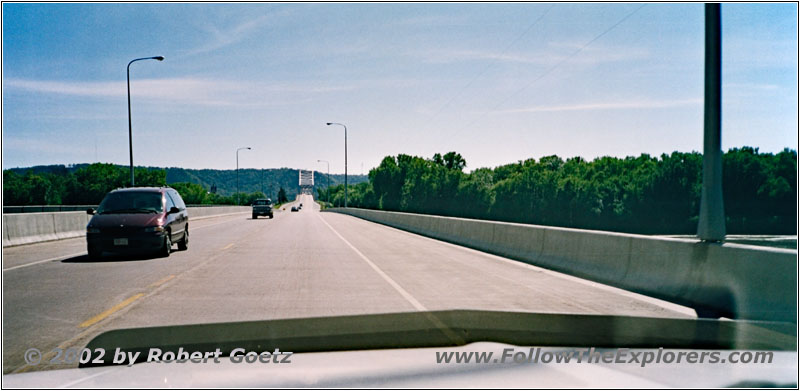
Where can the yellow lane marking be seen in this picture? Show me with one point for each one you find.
(111, 310)
(161, 281)
(228, 246)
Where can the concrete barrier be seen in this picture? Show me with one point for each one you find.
(214, 211)
(717, 280)
(27, 228)
(70, 224)
(46, 208)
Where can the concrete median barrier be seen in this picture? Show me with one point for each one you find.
(200, 212)
(717, 280)
(27, 228)
(70, 224)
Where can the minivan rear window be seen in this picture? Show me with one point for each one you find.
(131, 202)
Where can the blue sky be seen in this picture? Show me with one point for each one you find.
(495, 82)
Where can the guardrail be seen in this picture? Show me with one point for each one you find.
(74, 208)
(717, 280)
(46, 208)
(27, 228)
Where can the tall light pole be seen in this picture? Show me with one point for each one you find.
(237, 173)
(328, 178)
(345, 159)
(711, 222)
(130, 131)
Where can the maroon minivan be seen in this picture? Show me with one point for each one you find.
(138, 220)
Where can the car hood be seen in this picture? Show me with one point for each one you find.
(452, 328)
(399, 350)
(126, 219)
(410, 369)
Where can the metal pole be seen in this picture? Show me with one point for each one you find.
(237, 177)
(345, 166)
(345, 159)
(327, 178)
(237, 173)
(329, 182)
(130, 128)
(711, 224)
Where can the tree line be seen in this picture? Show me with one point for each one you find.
(221, 182)
(88, 185)
(644, 194)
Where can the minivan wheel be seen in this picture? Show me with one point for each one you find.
(184, 243)
(167, 245)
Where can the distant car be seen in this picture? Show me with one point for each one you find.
(294, 209)
(138, 219)
(262, 207)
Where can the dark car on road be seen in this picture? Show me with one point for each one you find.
(294, 209)
(262, 207)
(138, 220)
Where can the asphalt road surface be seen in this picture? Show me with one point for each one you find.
(299, 264)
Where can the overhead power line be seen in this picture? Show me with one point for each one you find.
(492, 63)
(550, 70)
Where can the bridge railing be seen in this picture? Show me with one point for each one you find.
(75, 208)
(46, 208)
(717, 280)
(34, 227)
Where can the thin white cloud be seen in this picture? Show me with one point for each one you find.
(553, 55)
(637, 104)
(220, 37)
(432, 20)
(752, 53)
(751, 86)
(182, 90)
(69, 88)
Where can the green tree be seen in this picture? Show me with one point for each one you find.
(192, 193)
(282, 196)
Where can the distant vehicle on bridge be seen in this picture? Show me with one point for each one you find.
(262, 207)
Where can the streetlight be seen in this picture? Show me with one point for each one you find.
(237, 173)
(345, 159)
(711, 220)
(328, 178)
(130, 132)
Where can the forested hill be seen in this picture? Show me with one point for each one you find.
(250, 180)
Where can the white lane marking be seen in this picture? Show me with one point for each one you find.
(380, 272)
(633, 295)
(44, 261)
